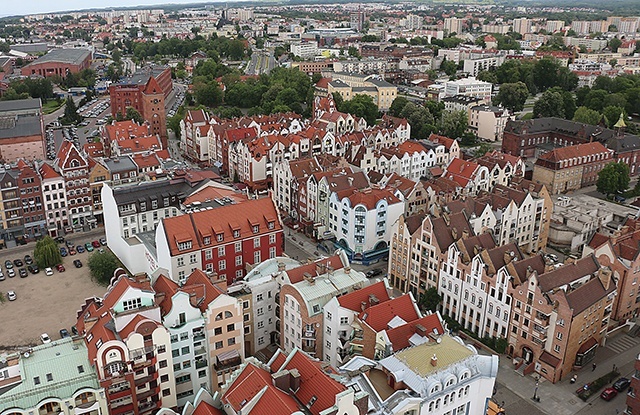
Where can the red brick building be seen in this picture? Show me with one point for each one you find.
(59, 62)
(74, 167)
(221, 240)
(21, 130)
(33, 213)
(145, 91)
(633, 398)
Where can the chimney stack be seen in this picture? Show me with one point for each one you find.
(434, 360)
(421, 330)
(363, 305)
(281, 267)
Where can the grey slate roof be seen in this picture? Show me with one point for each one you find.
(19, 105)
(121, 164)
(20, 126)
(73, 56)
(142, 75)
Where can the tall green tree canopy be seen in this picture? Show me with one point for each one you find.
(613, 178)
(512, 96)
(47, 253)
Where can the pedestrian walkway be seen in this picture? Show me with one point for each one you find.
(623, 343)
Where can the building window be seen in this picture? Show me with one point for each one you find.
(208, 254)
(238, 260)
(132, 304)
(272, 238)
(238, 246)
(222, 265)
(344, 320)
(221, 251)
(182, 246)
(256, 257)
(256, 242)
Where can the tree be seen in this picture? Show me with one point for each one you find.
(613, 178)
(71, 112)
(550, 104)
(481, 150)
(397, 106)
(614, 44)
(361, 106)
(512, 96)
(611, 115)
(448, 67)
(208, 94)
(420, 119)
(453, 123)
(102, 265)
(430, 299)
(130, 114)
(47, 253)
(587, 116)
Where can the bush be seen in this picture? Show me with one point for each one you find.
(595, 386)
(102, 266)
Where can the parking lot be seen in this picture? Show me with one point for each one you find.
(44, 304)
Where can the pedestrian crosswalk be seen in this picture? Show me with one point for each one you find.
(623, 343)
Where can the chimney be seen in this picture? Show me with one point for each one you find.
(347, 270)
(373, 300)
(465, 234)
(294, 380)
(434, 360)
(363, 305)
(604, 273)
(446, 218)
(507, 257)
(454, 233)
(281, 267)
(321, 268)
(309, 278)
(421, 330)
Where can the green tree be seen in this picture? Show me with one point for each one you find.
(587, 116)
(453, 124)
(430, 299)
(173, 123)
(512, 96)
(550, 104)
(448, 67)
(397, 106)
(611, 115)
(130, 114)
(71, 112)
(613, 178)
(361, 106)
(481, 150)
(420, 119)
(47, 253)
(102, 265)
(614, 44)
(208, 93)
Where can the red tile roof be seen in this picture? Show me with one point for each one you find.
(204, 408)
(297, 274)
(399, 336)
(440, 139)
(47, 172)
(369, 198)
(353, 300)
(378, 316)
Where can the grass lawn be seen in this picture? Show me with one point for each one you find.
(51, 106)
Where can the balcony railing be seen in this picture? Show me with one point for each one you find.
(199, 351)
(199, 336)
(201, 363)
(309, 334)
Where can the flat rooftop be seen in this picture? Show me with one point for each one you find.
(418, 358)
(73, 56)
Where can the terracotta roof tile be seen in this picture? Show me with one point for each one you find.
(378, 316)
(568, 273)
(353, 300)
(399, 336)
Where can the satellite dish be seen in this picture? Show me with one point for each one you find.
(438, 340)
(26, 354)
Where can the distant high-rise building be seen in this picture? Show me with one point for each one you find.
(554, 26)
(453, 25)
(522, 25)
(357, 20)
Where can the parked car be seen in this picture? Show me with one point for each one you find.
(72, 251)
(18, 262)
(33, 269)
(2, 277)
(63, 251)
(80, 249)
(608, 394)
(23, 273)
(88, 246)
(69, 244)
(95, 244)
(48, 272)
(59, 239)
(11, 295)
(103, 241)
(77, 263)
(44, 337)
(60, 268)
(64, 333)
(8, 264)
(11, 273)
(28, 260)
(621, 384)
(374, 273)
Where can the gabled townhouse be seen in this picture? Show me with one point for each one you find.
(471, 176)
(194, 129)
(441, 375)
(450, 151)
(221, 240)
(411, 192)
(330, 182)
(620, 252)
(419, 245)
(220, 138)
(55, 199)
(147, 164)
(129, 348)
(200, 316)
(337, 122)
(287, 176)
(360, 220)
(539, 191)
(502, 167)
(98, 175)
(51, 378)
(74, 168)
(127, 137)
(560, 317)
(409, 159)
(33, 207)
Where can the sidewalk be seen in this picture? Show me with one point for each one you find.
(560, 398)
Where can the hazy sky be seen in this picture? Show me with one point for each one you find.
(22, 7)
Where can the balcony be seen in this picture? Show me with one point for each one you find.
(199, 336)
(199, 351)
(201, 363)
(150, 392)
(148, 406)
(144, 380)
(308, 348)
(309, 334)
(121, 410)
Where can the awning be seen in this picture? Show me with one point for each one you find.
(588, 345)
(549, 359)
(227, 356)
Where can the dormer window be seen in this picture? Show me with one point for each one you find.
(236, 234)
(207, 240)
(271, 225)
(182, 246)
(220, 237)
(256, 228)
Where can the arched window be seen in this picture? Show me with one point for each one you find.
(227, 314)
(466, 294)
(219, 316)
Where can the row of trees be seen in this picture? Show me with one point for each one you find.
(29, 87)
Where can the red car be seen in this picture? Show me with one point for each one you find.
(95, 244)
(60, 268)
(608, 394)
(72, 251)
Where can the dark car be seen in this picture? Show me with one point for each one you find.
(621, 384)
(608, 394)
(59, 239)
(63, 251)
(64, 333)
(374, 273)
(18, 262)
(28, 260)
(33, 269)
(8, 264)
(80, 249)
(77, 263)
(23, 273)
(69, 244)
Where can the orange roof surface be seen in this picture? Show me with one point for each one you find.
(222, 220)
(399, 336)
(248, 384)
(445, 141)
(353, 300)
(204, 408)
(461, 171)
(369, 198)
(313, 382)
(145, 162)
(297, 274)
(47, 172)
(208, 193)
(378, 316)
(126, 129)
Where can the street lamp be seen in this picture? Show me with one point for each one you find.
(535, 393)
